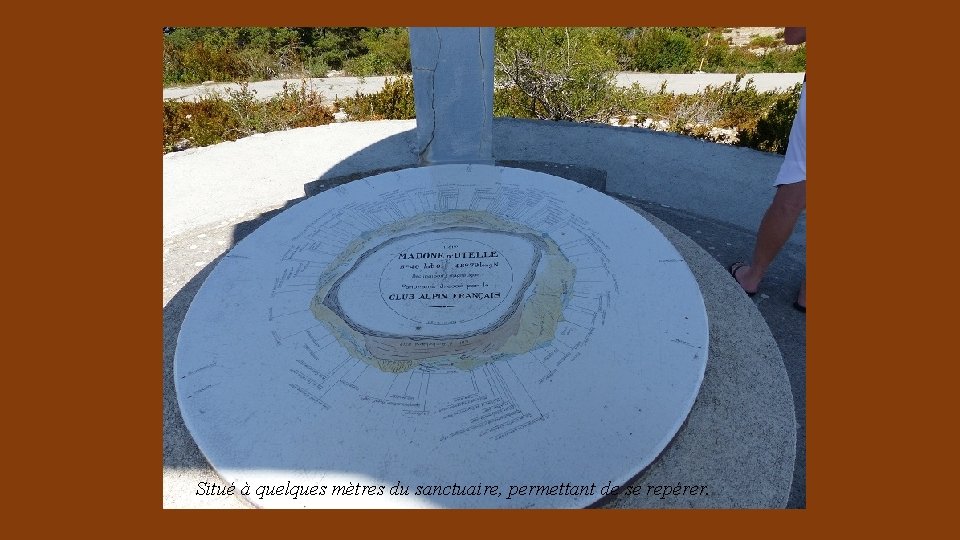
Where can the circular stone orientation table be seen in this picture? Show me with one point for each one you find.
(448, 336)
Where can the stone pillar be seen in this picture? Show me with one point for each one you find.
(453, 94)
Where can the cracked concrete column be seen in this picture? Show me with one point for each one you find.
(453, 94)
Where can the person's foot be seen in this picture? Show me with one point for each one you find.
(742, 275)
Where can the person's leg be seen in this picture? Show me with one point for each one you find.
(782, 214)
(775, 229)
(802, 297)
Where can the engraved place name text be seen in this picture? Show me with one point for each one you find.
(446, 296)
(456, 255)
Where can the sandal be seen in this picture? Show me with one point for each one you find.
(733, 272)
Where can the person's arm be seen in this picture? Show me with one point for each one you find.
(794, 35)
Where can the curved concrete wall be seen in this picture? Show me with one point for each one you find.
(716, 181)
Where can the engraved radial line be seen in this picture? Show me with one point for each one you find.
(272, 315)
(486, 379)
(340, 365)
(359, 230)
(587, 307)
(334, 380)
(329, 240)
(307, 261)
(392, 382)
(327, 344)
(362, 371)
(426, 393)
(503, 383)
(540, 361)
(579, 309)
(520, 382)
(320, 252)
(304, 330)
(420, 387)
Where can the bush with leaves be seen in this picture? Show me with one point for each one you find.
(747, 117)
(678, 49)
(394, 102)
(333, 46)
(771, 131)
(217, 118)
(661, 50)
(194, 55)
(783, 60)
(553, 73)
(766, 42)
(387, 53)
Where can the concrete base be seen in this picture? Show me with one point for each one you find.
(740, 436)
(739, 440)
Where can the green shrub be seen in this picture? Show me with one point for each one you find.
(712, 53)
(740, 107)
(206, 122)
(780, 59)
(334, 46)
(679, 49)
(662, 50)
(758, 120)
(394, 101)
(388, 53)
(216, 118)
(772, 130)
(783, 60)
(553, 73)
(693, 32)
(194, 55)
(294, 107)
(637, 101)
(764, 41)
(197, 62)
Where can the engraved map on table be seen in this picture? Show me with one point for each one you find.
(461, 325)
